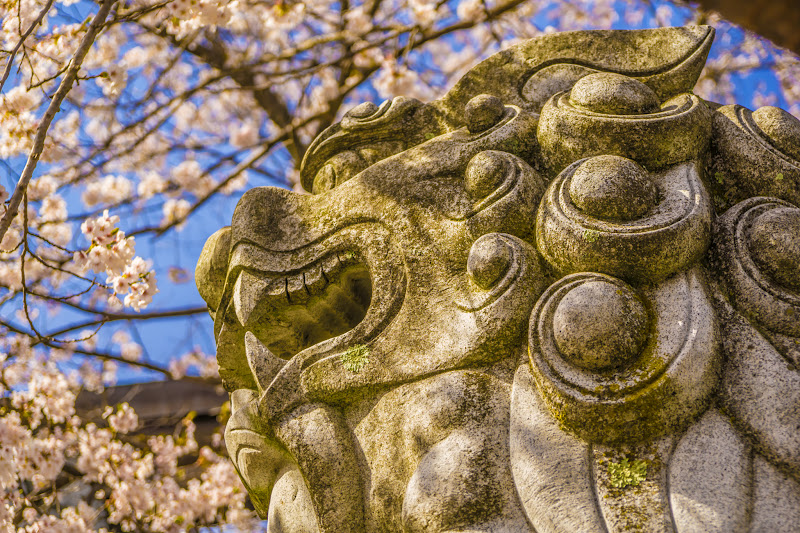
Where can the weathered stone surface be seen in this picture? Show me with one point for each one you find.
(613, 94)
(632, 486)
(711, 477)
(212, 267)
(657, 390)
(761, 390)
(290, 508)
(668, 60)
(563, 297)
(775, 246)
(665, 240)
(746, 162)
(679, 131)
(776, 499)
(612, 187)
(552, 469)
(600, 325)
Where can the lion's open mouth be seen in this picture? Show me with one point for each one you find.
(340, 290)
(292, 312)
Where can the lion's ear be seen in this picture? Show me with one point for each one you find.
(668, 60)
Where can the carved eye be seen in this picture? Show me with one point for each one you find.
(485, 173)
(337, 170)
(482, 112)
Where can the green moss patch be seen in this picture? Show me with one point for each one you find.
(627, 473)
(590, 235)
(355, 358)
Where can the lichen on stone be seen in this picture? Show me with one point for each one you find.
(626, 473)
(590, 235)
(355, 358)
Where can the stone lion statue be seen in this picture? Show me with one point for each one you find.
(563, 297)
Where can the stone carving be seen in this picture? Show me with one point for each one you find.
(564, 297)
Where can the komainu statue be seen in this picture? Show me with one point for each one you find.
(565, 297)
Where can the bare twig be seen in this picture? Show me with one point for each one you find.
(21, 42)
(112, 317)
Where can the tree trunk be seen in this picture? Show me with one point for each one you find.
(777, 20)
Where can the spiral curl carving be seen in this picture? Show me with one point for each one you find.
(678, 131)
(667, 238)
(649, 388)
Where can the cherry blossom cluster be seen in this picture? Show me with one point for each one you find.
(113, 253)
(203, 364)
(131, 484)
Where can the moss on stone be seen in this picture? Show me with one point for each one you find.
(355, 358)
(626, 473)
(590, 235)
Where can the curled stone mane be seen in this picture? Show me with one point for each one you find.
(563, 297)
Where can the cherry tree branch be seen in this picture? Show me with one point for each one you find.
(55, 105)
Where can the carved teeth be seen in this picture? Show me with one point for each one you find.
(331, 267)
(315, 280)
(263, 363)
(289, 313)
(254, 296)
(296, 289)
(244, 295)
